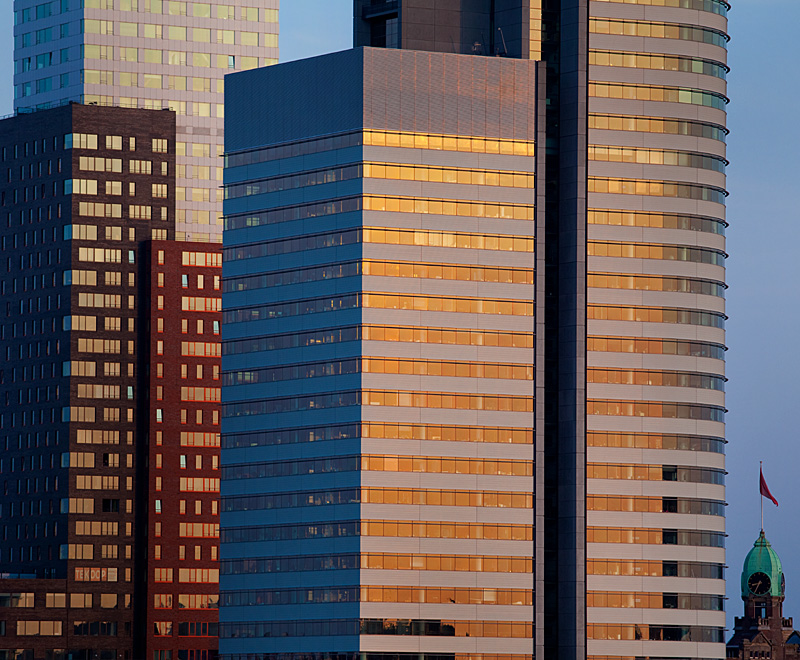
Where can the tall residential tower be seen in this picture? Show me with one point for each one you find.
(149, 54)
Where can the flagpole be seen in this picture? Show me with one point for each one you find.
(760, 496)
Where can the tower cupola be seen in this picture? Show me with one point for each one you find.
(762, 574)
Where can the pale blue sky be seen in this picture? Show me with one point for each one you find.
(764, 237)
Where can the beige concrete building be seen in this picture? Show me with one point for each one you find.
(149, 54)
(655, 329)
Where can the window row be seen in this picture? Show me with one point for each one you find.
(402, 399)
(656, 346)
(373, 365)
(656, 315)
(658, 30)
(655, 536)
(89, 233)
(380, 301)
(440, 142)
(26, 194)
(395, 171)
(173, 58)
(378, 561)
(112, 142)
(455, 272)
(354, 627)
(45, 35)
(377, 594)
(410, 334)
(186, 601)
(386, 528)
(656, 283)
(658, 62)
(380, 236)
(657, 189)
(40, 11)
(656, 251)
(656, 378)
(712, 6)
(450, 207)
(655, 505)
(655, 600)
(644, 631)
(657, 93)
(472, 498)
(655, 473)
(160, 31)
(656, 441)
(379, 430)
(296, 212)
(421, 464)
(200, 416)
(34, 170)
(655, 568)
(182, 8)
(665, 409)
(665, 125)
(429, 173)
(198, 530)
(382, 203)
(433, 141)
(644, 156)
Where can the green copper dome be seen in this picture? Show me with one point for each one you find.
(762, 574)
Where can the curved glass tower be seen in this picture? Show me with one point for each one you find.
(655, 329)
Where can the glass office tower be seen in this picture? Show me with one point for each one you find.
(628, 550)
(149, 54)
(379, 306)
(650, 86)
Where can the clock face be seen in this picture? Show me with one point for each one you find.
(759, 583)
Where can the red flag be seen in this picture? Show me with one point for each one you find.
(764, 489)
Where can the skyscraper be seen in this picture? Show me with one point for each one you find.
(379, 363)
(109, 394)
(654, 71)
(656, 338)
(71, 380)
(148, 54)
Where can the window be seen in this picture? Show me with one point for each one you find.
(159, 146)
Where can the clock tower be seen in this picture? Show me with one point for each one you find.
(763, 632)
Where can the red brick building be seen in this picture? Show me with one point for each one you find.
(183, 457)
(109, 395)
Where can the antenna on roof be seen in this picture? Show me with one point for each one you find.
(503, 39)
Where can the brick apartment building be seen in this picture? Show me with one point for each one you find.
(109, 454)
